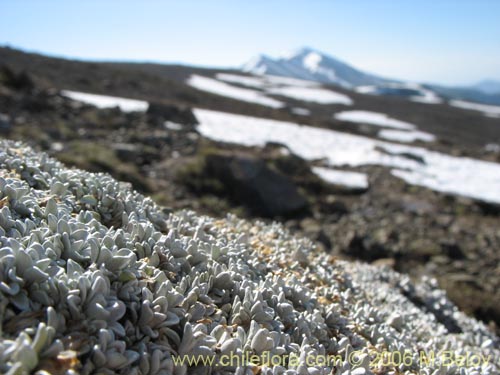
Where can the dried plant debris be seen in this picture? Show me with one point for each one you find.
(96, 278)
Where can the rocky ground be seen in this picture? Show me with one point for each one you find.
(408, 228)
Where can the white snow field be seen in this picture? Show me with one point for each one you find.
(104, 101)
(416, 165)
(407, 136)
(278, 80)
(488, 110)
(350, 179)
(264, 81)
(312, 94)
(289, 87)
(256, 82)
(173, 125)
(220, 88)
(405, 131)
(301, 111)
(422, 94)
(373, 118)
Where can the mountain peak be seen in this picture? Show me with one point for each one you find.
(302, 51)
(313, 65)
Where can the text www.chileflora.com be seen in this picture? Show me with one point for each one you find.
(354, 358)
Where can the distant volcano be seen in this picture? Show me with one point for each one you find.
(309, 64)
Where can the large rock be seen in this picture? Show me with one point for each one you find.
(172, 113)
(252, 183)
(127, 152)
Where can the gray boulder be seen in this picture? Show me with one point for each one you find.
(252, 183)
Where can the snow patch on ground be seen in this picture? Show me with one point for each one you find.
(457, 175)
(373, 118)
(367, 89)
(413, 91)
(105, 101)
(278, 80)
(265, 81)
(301, 111)
(173, 126)
(256, 82)
(289, 87)
(488, 110)
(345, 178)
(406, 136)
(428, 98)
(311, 94)
(223, 89)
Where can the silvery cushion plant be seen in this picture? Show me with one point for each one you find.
(96, 278)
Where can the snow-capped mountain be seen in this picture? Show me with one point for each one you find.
(488, 86)
(313, 65)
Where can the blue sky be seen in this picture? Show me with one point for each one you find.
(444, 41)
